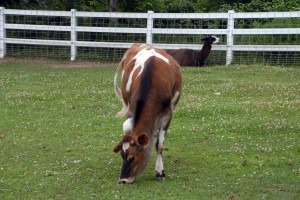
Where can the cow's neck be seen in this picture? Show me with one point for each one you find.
(146, 123)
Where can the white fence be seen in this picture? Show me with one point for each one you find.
(230, 26)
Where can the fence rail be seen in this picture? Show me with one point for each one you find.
(232, 26)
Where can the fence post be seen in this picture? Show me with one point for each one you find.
(73, 34)
(149, 27)
(2, 33)
(230, 27)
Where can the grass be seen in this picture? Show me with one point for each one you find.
(234, 135)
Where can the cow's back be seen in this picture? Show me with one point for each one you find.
(165, 75)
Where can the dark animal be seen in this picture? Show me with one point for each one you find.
(150, 90)
(190, 57)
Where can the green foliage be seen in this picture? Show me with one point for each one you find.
(159, 6)
(208, 5)
(167, 6)
(234, 135)
(58, 5)
(202, 6)
(180, 6)
(93, 5)
(263, 6)
(142, 6)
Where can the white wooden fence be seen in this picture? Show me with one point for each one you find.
(229, 32)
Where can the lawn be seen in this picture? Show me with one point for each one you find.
(235, 134)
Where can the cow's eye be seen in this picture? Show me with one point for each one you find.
(131, 159)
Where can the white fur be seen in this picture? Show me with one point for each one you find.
(159, 167)
(125, 146)
(126, 180)
(118, 92)
(174, 99)
(161, 138)
(141, 58)
(128, 125)
(217, 40)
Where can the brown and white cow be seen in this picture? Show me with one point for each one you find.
(150, 90)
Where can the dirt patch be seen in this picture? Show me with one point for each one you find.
(62, 62)
(84, 64)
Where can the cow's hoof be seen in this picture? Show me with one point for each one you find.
(160, 177)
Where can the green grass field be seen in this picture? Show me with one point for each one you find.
(235, 134)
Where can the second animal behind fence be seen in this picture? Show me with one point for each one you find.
(190, 57)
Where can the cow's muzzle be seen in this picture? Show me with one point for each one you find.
(125, 180)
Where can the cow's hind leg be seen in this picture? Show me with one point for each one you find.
(159, 167)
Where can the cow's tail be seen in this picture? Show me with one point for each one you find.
(118, 92)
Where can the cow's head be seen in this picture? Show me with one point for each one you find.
(135, 154)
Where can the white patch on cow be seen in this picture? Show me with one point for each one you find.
(125, 146)
(159, 167)
(174, 100)
(128, 125)
(126, 180)
(123, 73)
(140, 59)
(161, 138)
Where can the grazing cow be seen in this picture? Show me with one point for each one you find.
(150, 90)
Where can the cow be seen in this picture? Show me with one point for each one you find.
(150, 89)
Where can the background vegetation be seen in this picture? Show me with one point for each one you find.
(168, 6)
(235, 134)
(165, 6)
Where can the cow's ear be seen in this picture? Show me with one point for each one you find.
(143, 139)
(118, 147)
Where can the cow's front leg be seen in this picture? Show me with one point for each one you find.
(159, 167)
